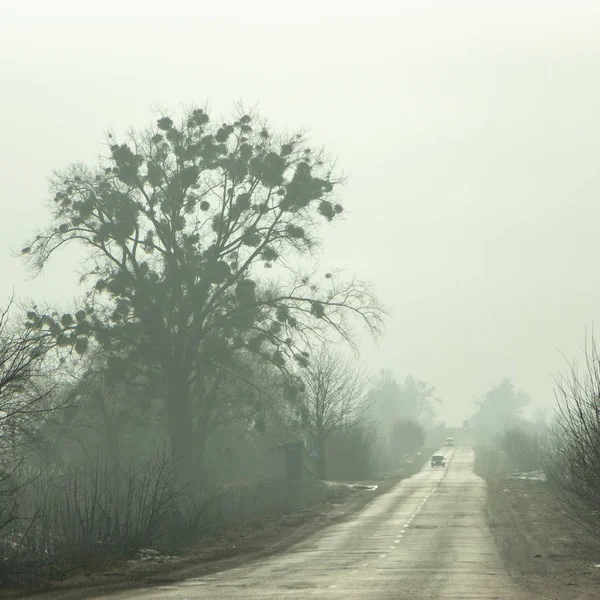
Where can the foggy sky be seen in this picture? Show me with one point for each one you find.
(470, 137)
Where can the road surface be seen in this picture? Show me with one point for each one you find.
(425, 539)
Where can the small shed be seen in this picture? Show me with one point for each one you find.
(284, 462)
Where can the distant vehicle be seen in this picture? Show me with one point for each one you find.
(437, 460)
(449, 442)
(466, 425)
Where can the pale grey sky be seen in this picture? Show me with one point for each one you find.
(469, 132)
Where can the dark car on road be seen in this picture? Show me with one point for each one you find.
(437, 460)
(449, 441)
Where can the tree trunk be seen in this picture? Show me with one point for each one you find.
(181, 431)
(200, 440)
(322, 459)
(206, 403)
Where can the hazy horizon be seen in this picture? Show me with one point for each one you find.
(468, 135)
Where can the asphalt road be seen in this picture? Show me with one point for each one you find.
(425, 539)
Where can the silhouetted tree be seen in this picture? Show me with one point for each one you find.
(406, 436)
(413, 399)
(105, 419)
(26, 387)
(176, 223)
(502, 406)
(333, 394)
(26, 378)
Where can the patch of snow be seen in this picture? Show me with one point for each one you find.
(149, 554)
(531, 476)
(352, 486)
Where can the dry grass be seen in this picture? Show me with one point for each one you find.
(248, 540)
(544, 550)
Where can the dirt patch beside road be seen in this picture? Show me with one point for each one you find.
(545, 552)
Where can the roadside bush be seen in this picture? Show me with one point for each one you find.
(523, 449)
(489, 463)
(352, 454)
(78, 516)
(406, 437)
(573, 465)
(81, 512)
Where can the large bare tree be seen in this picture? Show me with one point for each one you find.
(179, 223)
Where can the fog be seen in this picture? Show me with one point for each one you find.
(297, 288)
(468, 135)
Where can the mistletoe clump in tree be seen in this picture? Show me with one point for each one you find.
(176, 222)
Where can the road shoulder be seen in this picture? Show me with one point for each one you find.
(544, 551)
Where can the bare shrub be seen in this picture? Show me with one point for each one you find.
(77, 515)
(79, 512)
(573, 464)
